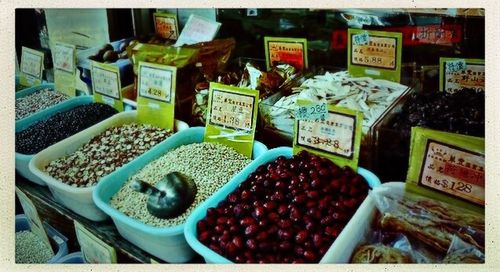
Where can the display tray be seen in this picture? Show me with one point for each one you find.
(166, 243)
(80, 199)
(200, 212)
(23, 160)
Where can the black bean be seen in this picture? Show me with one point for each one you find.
(60, 126)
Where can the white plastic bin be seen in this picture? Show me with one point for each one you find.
(76, 199)
(59, 239)
(167, 243)
(23, 160)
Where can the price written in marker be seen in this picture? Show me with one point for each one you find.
(291, 51)
(232, 117)
(337, 137)
(448, 167)
(312, 112)
(457, 74)
(155, 104)
(374, 53)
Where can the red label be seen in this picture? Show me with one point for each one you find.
(412, 35)
(463, 173)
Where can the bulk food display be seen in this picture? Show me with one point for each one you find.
(292, 136)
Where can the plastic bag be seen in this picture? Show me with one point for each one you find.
(213, 56)
(384, 248)
(462, 252)
(431, 222)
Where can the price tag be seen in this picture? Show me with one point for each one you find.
(447, 166)
(166, 25)
(291, 51)
(312, 112)
(33, 218)
(196, 30)
(94, 249)
(64, 58)
(232, 117)
(379, 57)
(361, 39)
(31, 67)
(156, 95)
(456, 74)
(337, 137)
(106, 84)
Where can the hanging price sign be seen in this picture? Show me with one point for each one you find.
(166, 25)
(232, 117)
(94, 249)
(447, 166)
(337, 137)
(456, 74)
(156, 95)
(31, 67)
(64, 58)
(286, 50)
(106, 84)
(374, 53)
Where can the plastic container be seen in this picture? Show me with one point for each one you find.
(34, 89)
(358, 228)
(23, 160)
(76, 199)
(200, 212)
(72, 258)
(166, 243)
(54, 236)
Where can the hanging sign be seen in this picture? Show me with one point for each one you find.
(94, 249)
(31, 67)
(166, 25)
(106, 84)
(232, 117)
(376, 54)
(64, 58)
(456, 74)
(448, 167)
(337, 137)
(291, 51)
(156, 94)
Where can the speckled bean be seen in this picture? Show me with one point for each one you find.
(37, 101)
(106, 152)
(209, 165)
(31, 249)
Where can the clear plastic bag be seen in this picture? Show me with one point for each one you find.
(462, 252)
(429, 221)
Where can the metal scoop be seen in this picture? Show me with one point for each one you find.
(170, 197)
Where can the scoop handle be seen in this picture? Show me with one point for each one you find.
(146, 188)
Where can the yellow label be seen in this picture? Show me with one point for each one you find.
(94, 249)
(286, 50)
(232, 117)
(31, 67)
(166, 25)
(379, 52)
(106, 84)
(64, 56)
(34, 221)
(448, 167)
(337, 137)
(156, 94)
(457, 74)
